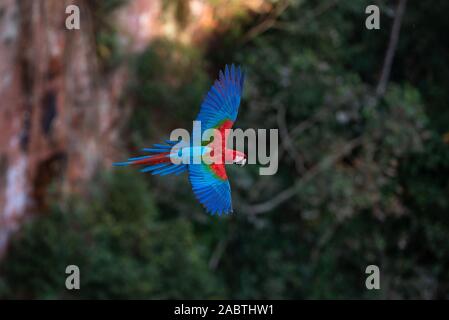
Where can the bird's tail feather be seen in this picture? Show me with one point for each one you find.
(158, 163)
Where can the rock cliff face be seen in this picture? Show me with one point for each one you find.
(57, 120)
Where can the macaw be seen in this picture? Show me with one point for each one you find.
(208, 179)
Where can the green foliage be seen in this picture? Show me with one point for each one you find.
(169, 84)
(354, 211)
(108, 49)
(121, 247)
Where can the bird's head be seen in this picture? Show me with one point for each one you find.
(239, 158)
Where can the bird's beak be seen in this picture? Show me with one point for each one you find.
(242, 163)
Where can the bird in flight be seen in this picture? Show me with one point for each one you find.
(206, 162)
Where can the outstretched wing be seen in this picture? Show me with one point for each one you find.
(211, 187)
(218, 111)
(223, 99)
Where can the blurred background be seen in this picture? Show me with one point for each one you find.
(364, 155)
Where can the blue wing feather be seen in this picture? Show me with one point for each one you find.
(223, 99)
(154, 167)
(213, 193)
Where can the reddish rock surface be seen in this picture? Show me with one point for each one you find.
(58, 122)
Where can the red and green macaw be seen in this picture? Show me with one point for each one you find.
(209, 181)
